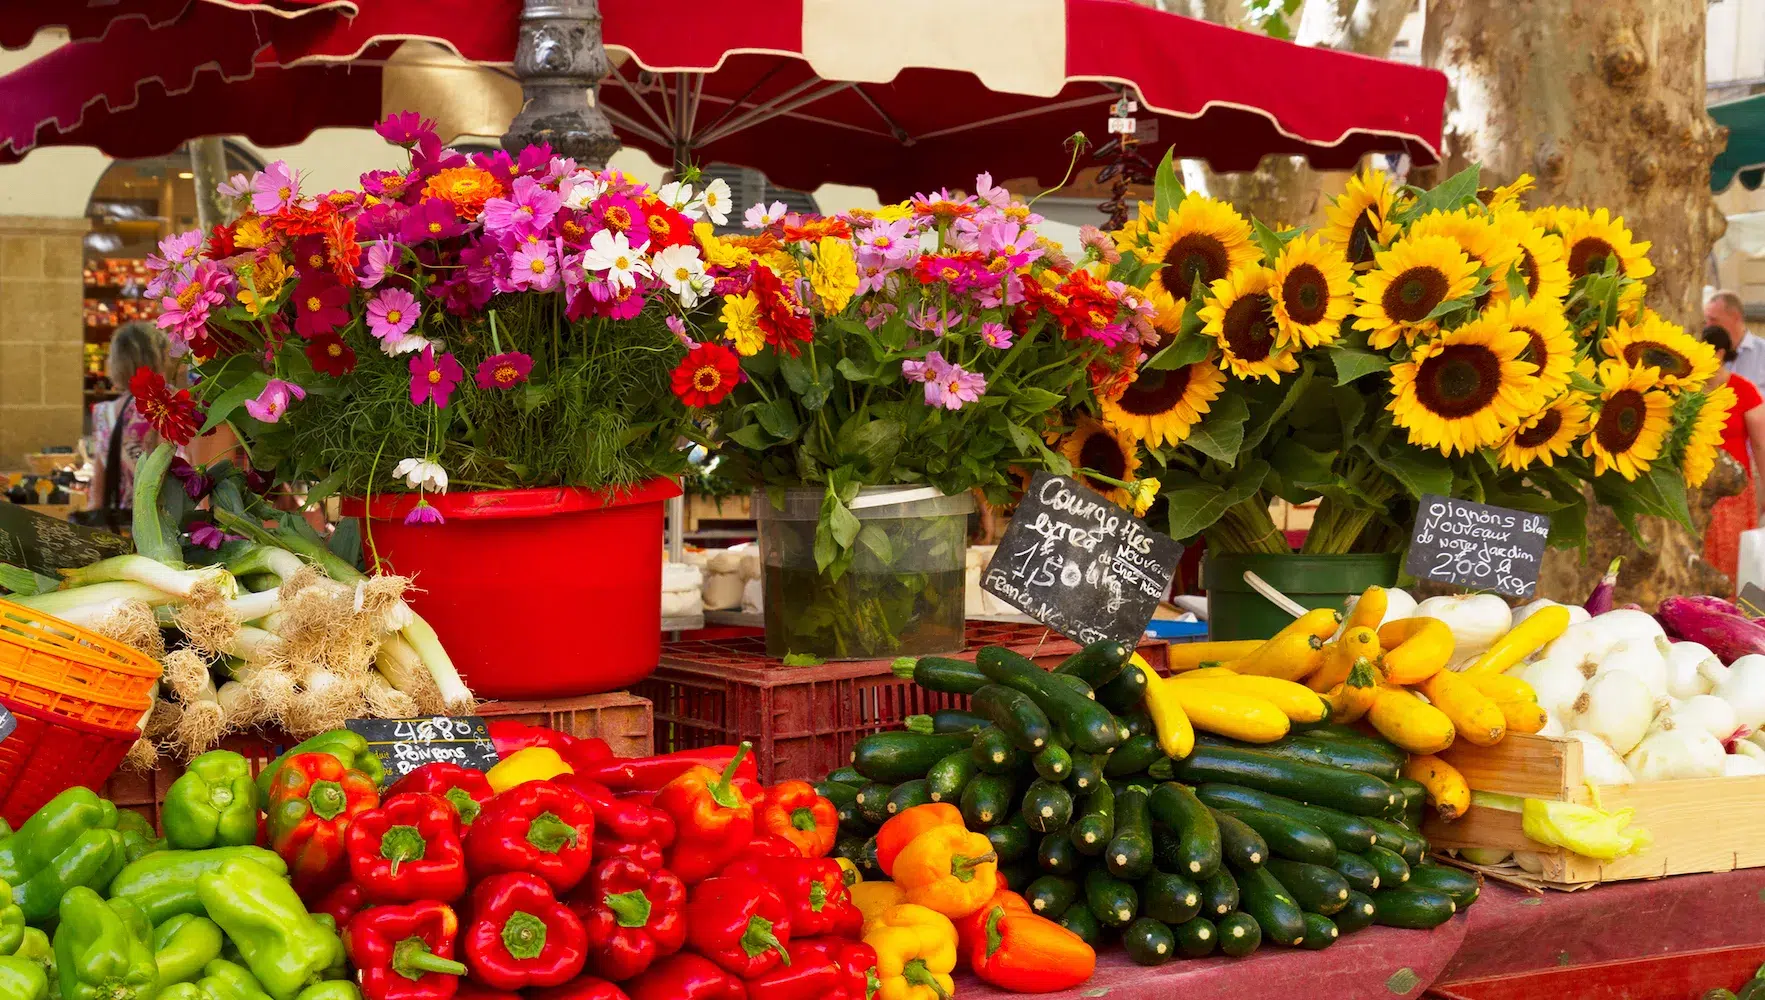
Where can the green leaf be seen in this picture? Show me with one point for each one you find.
(1302, 468)
(873, 539)
(1194, 509)
(1289, 391)
(1352, 363)
(1184, 350)
(1222, 433)
(1417, 471)
(750, 436)
(346, 541)
(779, 418)
(1581, 383)
(1265, 238)
(855, 373)
(1167, 187)
(797, 373)
(224, 404)
(802, 660)
(869, 444)
(1451, 306)
(1517, 286)
(1455, 192)
(1035, 399)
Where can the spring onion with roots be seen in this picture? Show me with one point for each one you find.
(86, 606)
(153, 529)
(190, 584)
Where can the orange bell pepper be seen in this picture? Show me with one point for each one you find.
(907, 824)
(793, 811)
(1008, 945)
(948, 869)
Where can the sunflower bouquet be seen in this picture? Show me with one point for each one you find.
(1439, 341)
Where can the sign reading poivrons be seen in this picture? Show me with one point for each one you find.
(403, 745)
(1083, 566)
(1477, 546)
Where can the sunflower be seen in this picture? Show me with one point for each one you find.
(1508, 195)
(1465, 389)
(1360, 217)
(1685, 363)
(1407, 283)
(1239, 314)
(1132, 236)
(1487, 246)
(1633, 420)
(1161, 407)
(1199, 239)
(1590, 238)
(1546, 435)
(1541, 263)
(1706, 436)
(1313, 292)
(1107, 452)
(1550, 345)
(1630, 300)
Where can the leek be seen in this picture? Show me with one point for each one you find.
(251, 607)
(22, 581)
(254, 645)
(89, 605)
(155, 574)
(154, 537)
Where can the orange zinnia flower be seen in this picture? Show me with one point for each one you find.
(465, 188)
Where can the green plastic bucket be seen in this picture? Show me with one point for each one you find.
(1235, 611)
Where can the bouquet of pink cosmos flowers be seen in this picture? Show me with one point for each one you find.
(490, 321)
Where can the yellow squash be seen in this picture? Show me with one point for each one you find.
(1351, 699)
(1474, 714)
(1357, 643)
(1289, 656)
(1189, 655)
(1228, 713)
(1522, 716)
(1176, 737)
(1369, 611)
(1296, 701)
(1522, 640)
(1321, 622)
(1414, 649)
(1447, 791)
(1409, 722)
(1501, 687)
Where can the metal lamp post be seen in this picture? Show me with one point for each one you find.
(559, 61)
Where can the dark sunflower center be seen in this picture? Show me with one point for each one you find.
(1155, 392)
(1535, 351)
(1621, 421)
(1306, 293)
(1412, 295)
(1546, 428)
(1101, 453)
(1196, 255)
(1360, 239)
(1656, 355)
(1588, 256)
(1249, 328)
(1459, 381)
(1529, 270)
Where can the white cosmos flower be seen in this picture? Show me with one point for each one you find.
(715, 199)
(676, 195)
(699, 287)
(392, 347)
(611, 254)
(677, 266)
(422, 474)
(582, 188)
(761, 215)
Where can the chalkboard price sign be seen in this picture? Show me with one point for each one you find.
(1477, 546)
(403, 745)
(1081, 565)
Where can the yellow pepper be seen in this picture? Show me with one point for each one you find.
(1176, 737)
(948, 869)
(849, 871)
(915, 953)
(522, 766)
(873, 899)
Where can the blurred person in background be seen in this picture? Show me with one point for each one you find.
(123, 438)
(1743, 437)
(1747, 354)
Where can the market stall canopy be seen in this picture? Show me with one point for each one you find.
(20, 20)
(808, 91)
(1744, 159)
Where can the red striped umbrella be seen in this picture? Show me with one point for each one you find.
(20, 20)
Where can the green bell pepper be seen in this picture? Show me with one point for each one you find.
(183, 945)
(22, 979)
(129, 819)
(12, 922)
(136, 846)
(103, 950)
(213, 804)
(350, 748)
(336, 989)
(51, 830)
(223, 980)
(36, 948)
(164, 884)
(93, 859)
(286, 949)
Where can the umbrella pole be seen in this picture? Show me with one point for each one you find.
(559, 59)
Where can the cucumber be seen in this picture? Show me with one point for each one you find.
(1263, 896)
(1149, 942)
(945, 779)
(1348, 833)
(1047, 806)
(1318, 785)
(1239, 934)
(1289, 838)
(1196, 938)
(1219, 894)
(901, 755)
(1126, 692)
(1077, 684)
(907, 795)
(1318, 889)
(836, 793)
(1320, 932)
(1414, 909)
(947, 675)
(1394, 871)
(994, 752)
(986, 800)
(955, 720)
(1098, 663)
(1360, 873)
(847, 775)
(1461, 887)
(1129, 854)
(1087, 770)
(1357, 915)
(1079, 919)
(1198, 833)
(1016, 715)
(1112, 901)
(1011, 841)
(1136, 721)
(1090, 726)
(1056, 855)
(1052, 763)
(1170, 898)
(1133, 756)
(1408, 844)
(1241, 847)
(1050, 895)
(1094, 826)
(1018, 874)
(873, 802)
(1309, 748)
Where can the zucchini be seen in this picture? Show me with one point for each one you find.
(1219, 894)
(1133, 756)
(867, 858)
(1348, 833)
(836, 793)
(1129, 854)
(955, 720)
(994, 752)
(873, 802)
(1320, 932)
(1094, 825)
(1319, 785)
(986, 800)
(1239, 934)
(1079, 919)
(1018, 874)
(1394, 871)
(1461, 887)
(1341, 733)
(853, 821)
(847, 775)
(1087, 770)
(1241, 847)
(1197, 938)
(1047, 806)
(1056, 855)
(1098, 663)
(1011, 841)
(1289, 838)
(1198, 850)
(1149, 942)
(1077, 684)
(945, 779)
(1050, 895)
(1318, 889)
(1052, 763)
(849, 846)
(1170, 898)
(1407, 843)
(900, 755)
(1112, 901)
(1276, 911)
(907, 795)
(947, 675)
(1136, 722)
(1360, 873)
(1414, 909)
(1309, 748)
(1412, 792)
(1126, 692)
(1090, 726)
(1357, 915)
(1015, 714)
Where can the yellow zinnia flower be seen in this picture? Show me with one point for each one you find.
(1465, 389)
(1405, 285)
(1313, 292)
(833, 274)
(718, 251)
(1239, 315)
(1706, 436)
(741, 323)
(1633, 421)
(1547, 435)
(1684, 362)
(260, 281)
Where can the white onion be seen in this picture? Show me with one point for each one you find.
(1530, 862)
(1398, 604)
(1476, 620)
(1736, 765)
(1704, 713)
(1644, 657)
(1747, 748)
(1553, 725)
(1577, 613)
(1599, 763)
(1557, 681)
(1617, 707)
(1676, 754)
(1485, 855)
(1626, 623)
(1744, 688)
(1686, 675)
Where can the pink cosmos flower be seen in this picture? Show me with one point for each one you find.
(236, 186)
(273, 401)
(184, 313)
(1010, 242)
(928, 318)
(208, 536)
(404, 128)
(761, 216)
(422, 513)
(433, 379)
(392, 313)
(987, 191)
(503, 371)
(276, 186)
(887, 241)
(380, 258)
(914, 371)
(996, 335)
(677, 326)
(1100, 242)
(533, 267)
(559, 168)
(534, 160)
(531, 207)
(950, 386)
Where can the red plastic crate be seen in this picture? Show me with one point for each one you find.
(804, 721)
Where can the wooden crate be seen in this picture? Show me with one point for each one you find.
(1705, 825)
(623, 719)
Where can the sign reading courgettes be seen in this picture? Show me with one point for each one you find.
(1477, 546)
(403, 745)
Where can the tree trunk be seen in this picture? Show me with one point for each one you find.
(208, 161)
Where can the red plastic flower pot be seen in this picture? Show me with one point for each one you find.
(535, 593)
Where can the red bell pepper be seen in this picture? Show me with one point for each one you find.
(793, 811)
(649, 774)
(342, 904)
(857, 962)
(714, 822)
(811, 975)
(312, 803)
(470, 990)
(686, 977)
(465, 788)
(406, 952)
(633, 916)
(539, 827)
(408, 849)
(580, 988)
(578, 752)
(766, 845)
(814, 889)
(521, 935)
(740, 923)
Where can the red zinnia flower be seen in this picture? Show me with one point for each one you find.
(667, 228)
(1089, 305)
(173, 415)
(707, 374)
(220, 242)
(782, 319)
(298, 220)
(812, 229)
(344, 251)
(330, 355)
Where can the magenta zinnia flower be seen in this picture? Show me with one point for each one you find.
(503, 371)
(184, 313)
(392, 313)
(273, 401)
(276, 186)
(433, 379)
(950, 386)
(431, 219)
(621, 215)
